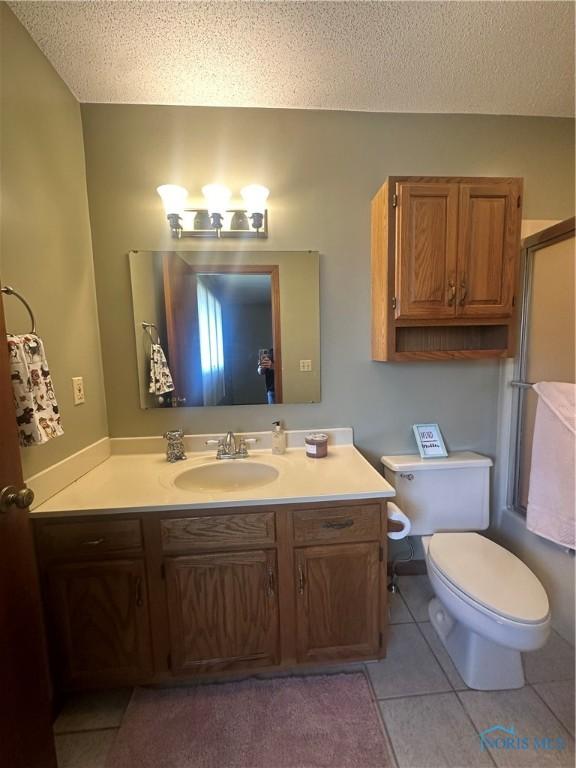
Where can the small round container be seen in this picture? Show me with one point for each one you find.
(316, 445)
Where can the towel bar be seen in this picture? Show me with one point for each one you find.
(9, 291)
(148, 330)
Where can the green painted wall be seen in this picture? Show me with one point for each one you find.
(45, 240)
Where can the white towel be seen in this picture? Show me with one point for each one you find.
(37, 411)
(551, 494)
(160, 376)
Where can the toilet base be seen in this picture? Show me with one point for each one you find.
(482, 663)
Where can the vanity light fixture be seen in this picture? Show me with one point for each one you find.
(217, 199)
(217, 219)
(174, 198)
(255, 197)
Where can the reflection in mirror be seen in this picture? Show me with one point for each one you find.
(226, 328)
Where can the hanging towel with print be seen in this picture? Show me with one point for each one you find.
(160, 376)
(37, 412)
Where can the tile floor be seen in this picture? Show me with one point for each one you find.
(432, 719)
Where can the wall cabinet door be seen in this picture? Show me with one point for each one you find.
(487, 249)
(99, 615)
(426, 247)
(223, 610)
(338, 601)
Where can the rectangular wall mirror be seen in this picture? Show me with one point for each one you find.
(235, 328)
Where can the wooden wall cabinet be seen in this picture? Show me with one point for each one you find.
(445, 254)
(164, 596)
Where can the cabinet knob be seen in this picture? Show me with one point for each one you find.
(464, 293)
(12, 497)
(451, 292)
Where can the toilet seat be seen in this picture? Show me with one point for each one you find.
(489, 577)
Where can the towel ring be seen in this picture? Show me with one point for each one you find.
(11, 292)
(148, 329)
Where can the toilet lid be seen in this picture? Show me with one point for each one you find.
(490, 575)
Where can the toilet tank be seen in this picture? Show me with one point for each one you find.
(451, 494)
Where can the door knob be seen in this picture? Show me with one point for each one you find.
(12, 497)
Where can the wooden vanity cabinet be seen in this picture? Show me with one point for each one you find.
(445, 254)
(338, 572)
(337, 602)
(223, 610)
(166, 596)
(96, 601)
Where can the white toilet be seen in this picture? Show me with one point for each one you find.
(489, 606)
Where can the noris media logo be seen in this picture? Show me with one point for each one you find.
(505, 737)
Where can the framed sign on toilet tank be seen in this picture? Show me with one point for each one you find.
(429, 440)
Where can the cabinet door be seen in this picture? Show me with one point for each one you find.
(488, 249)
(337, 601)
(99, 615)
(426, 243)
(223, 610)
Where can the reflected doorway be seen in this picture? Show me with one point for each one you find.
(223, 332)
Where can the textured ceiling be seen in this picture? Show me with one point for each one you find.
(461, 57)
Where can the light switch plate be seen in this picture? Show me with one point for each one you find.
(306, 365)
(78, 387)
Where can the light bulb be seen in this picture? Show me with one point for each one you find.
(217, 198)
(173, 197)
(255, 196)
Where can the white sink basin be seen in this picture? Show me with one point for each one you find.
(232, 475)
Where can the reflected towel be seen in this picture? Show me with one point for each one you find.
(160, 376)
(551, 501)
(37, 411)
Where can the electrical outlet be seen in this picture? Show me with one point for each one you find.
(78, 387)
(306, 365)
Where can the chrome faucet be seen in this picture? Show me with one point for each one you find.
(231, 447)
(230, 444)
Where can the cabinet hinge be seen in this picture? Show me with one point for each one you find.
(381, 554)
(519, 202)
(394, 200)
(380, 639)
(163, 571)
(169, 661)
(394, 302)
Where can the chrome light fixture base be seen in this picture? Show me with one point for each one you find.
(235, 223)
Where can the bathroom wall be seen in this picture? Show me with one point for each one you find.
(323, 169)
(45, 239)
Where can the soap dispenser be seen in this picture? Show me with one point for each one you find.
(278, 439)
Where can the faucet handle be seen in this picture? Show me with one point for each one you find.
(244, 443)
(218, 441)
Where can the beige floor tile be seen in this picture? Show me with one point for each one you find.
(553, 662)
(442, 655)
(523, 712)
(84, 750)
(93, 711)
(398, 610)
(432, 732)
(560, 698)
(409, 667)
(417, 593)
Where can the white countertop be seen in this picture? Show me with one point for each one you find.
(141, 482)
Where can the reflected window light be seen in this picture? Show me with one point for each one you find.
(211, 345)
